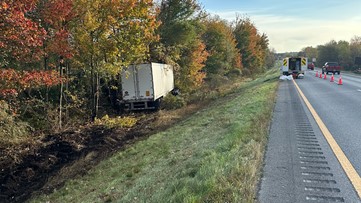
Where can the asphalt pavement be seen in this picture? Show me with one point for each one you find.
(339, 106)
(299, 163)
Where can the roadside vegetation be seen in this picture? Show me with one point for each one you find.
(60, 60)
(346, 53)
(60, 89)
(215, 155)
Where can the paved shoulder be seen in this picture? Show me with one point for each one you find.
(299, 165)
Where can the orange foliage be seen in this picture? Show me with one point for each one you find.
(191, 74)
(59, 44)
(21, 37)
(57, 14)
(197, 58)
(12, 81)
(252, 45)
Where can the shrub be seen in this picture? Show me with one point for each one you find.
(234, 73)
(173, 102)
(12, 131)
(214, 81)
(119, 122)
(246, 72)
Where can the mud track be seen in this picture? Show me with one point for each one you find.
(55, 158)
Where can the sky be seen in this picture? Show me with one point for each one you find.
(292, 25)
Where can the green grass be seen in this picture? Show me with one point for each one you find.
(214, 155)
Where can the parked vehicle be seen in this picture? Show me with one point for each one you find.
(144, 85)
(331, 67)
(295, 66)
(311, 66)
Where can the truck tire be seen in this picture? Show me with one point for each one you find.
(123, 109)
(157, 104)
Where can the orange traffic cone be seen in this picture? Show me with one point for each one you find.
(340, 81)
(320, 75)
(332, 78)
(325, 76)
(316, 73)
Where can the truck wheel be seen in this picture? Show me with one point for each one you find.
(124, 109)
(338, 72)
(157, 104)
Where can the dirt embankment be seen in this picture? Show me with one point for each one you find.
(46, 163)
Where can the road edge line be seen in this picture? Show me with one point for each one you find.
(350, 171)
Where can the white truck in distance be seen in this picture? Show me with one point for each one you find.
(294, 66)
(144, 85)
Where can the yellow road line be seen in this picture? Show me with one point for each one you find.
(345, 163)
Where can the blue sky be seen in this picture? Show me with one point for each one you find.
(293, 25)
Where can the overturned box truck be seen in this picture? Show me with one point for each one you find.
(144, 85)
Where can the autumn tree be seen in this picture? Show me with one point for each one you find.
(344, 54)
(176, 17)
(190, 74)
(180, 38)
(253, 46)
(55, 17)
(310, 52)
(327, 53)
(221, 44)
(355, 50)
(110, 35)
(21, 37)
(270, 59)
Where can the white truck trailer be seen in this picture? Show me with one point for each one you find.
(144, 85)
(294, 66)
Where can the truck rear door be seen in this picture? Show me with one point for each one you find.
(144, 82)
(129, 89)
(295, 64)
(137, 83)
(304, 64)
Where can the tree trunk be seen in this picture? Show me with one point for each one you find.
(97, 94)
(46, 59)
(93, 103)
(61, 99)
(67, 90)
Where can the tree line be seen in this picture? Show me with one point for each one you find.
(343, 52)
(62, 58)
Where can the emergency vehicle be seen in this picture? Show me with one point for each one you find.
(294, 66)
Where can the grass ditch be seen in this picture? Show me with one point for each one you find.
(215, 155)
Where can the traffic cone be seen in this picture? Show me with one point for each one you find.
(332, 78)
(316, 73)
(320, 75)
(325, 76)
(340, 80)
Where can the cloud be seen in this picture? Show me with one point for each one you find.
(296, 35)
(292, 33)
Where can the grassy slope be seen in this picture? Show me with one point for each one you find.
(215, 155)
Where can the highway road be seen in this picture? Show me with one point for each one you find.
(301, 163)
(339, 107)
